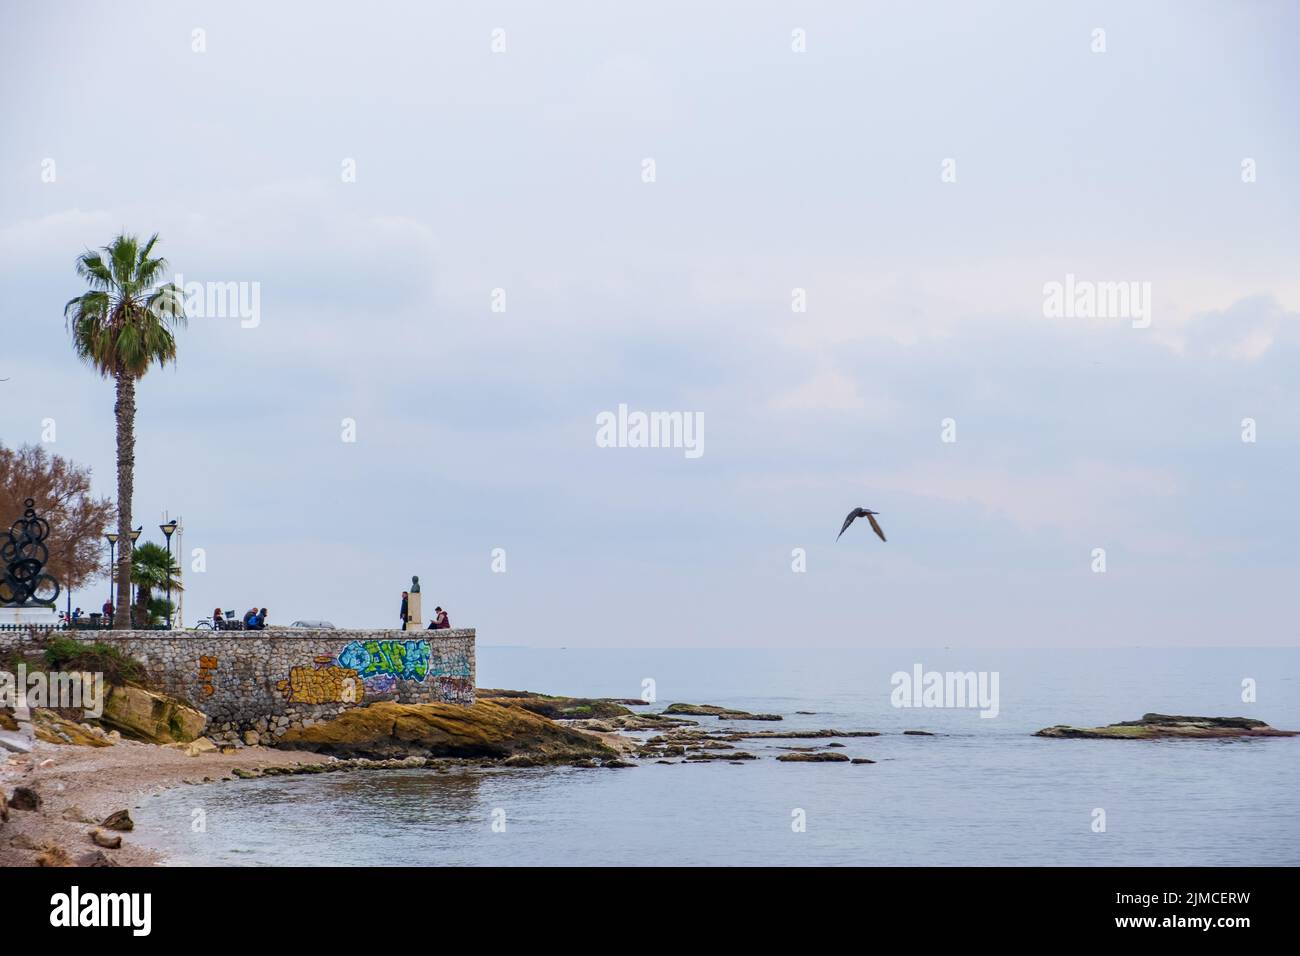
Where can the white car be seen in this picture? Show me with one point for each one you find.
(315, 625)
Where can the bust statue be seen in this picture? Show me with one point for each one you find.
(415, 584)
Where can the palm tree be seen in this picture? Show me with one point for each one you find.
(152, 569)
(121, 328)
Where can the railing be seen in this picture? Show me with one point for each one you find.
(78, 626)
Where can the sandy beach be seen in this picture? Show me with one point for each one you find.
(80, 786)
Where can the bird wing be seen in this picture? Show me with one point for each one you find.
(847, 521)
(875, 526)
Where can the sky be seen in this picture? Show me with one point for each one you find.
(823, 230)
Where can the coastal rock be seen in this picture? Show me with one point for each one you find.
(804, 734)
(722, 713)
(25, 798)
(109, 841)
(53, 856)
(119, 820)
(53, 729)
(487, 728)
(917, 733)
(1167, 726)
(196, 747)
(819, 757)
(637, 722)
(4, 808)
(96, 858)
(557, 708)
(730, 756)
(861, 760)
(154, 718)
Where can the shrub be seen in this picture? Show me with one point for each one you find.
(65, 654)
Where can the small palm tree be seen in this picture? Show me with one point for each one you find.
(152, 568)
(122, 327)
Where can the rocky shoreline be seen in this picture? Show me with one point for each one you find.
(65, 800)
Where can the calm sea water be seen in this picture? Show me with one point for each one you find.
(985, 792)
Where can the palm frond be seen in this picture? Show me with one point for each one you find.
(125, 322)
(92, 268)
(121, 253)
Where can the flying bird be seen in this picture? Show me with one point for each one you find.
(862, 513)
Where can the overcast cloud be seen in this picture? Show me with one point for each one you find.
(775, 171)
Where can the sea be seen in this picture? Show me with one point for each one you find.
(981, 791)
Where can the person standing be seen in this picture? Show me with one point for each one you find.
(404, 605)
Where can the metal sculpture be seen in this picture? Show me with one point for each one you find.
(24, 555)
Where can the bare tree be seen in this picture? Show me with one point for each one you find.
(61, 491)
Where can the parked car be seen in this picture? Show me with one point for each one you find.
(315, 625)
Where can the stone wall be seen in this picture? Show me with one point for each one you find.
(254, 685)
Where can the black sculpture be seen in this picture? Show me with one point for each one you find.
(24, 555)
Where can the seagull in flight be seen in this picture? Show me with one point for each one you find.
(862, 513)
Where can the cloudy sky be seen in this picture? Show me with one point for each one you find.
(375, 171)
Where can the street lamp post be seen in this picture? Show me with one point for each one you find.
(131, 592)
(112, 569)
(169, 529)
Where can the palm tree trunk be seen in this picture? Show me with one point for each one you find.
(125, 411)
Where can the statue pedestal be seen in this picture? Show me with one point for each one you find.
(414, 617)
(24, 614)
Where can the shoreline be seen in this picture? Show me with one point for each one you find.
(81, 786)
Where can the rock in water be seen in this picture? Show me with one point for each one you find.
(813, 758)
(712, 710)
(154, 718)
(1166, 726)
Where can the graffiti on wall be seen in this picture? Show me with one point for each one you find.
(322, 683)
(207, 668)
(382, 663)
(373, 668)
(387, 661)
(456, 690)
(449, 664)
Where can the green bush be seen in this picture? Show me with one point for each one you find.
(65, 654)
